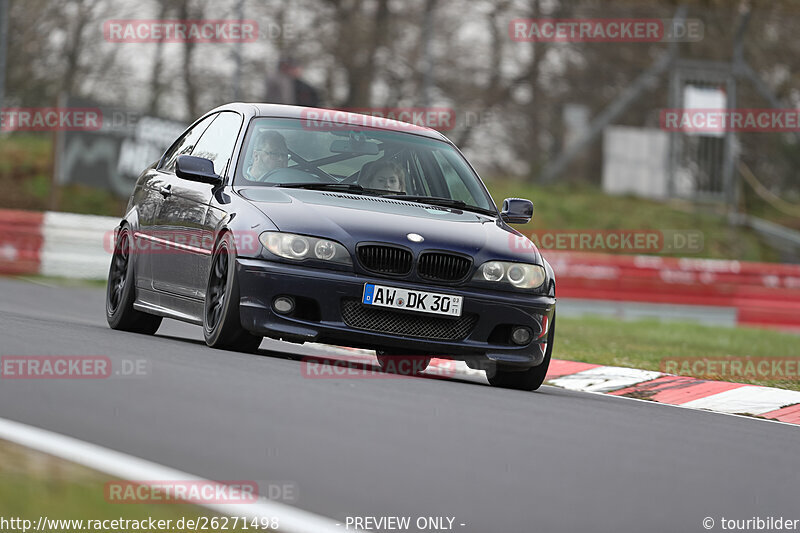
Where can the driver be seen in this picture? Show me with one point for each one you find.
(384, 175)
(270, 153)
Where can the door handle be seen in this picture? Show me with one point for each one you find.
(165, 190)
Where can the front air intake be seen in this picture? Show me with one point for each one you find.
(388, 260)
(436, 266)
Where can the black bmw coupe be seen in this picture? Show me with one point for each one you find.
(314, 225)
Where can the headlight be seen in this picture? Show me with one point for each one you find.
(301, 247)
(520, 275)
(493, 271)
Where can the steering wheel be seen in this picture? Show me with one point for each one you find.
(289, 175)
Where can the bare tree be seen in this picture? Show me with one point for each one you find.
(189, 10)
(157, 75)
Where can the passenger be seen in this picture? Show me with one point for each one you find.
(269, 154)
(383, 175)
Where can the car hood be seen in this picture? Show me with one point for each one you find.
(350, 219)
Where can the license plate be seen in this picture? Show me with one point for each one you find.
(410, 300)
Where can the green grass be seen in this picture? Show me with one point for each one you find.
(26, 163)
(559, 207)
(646, 344)
(33, 484)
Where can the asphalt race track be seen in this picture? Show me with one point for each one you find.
(495, 460)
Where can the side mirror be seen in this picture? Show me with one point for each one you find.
(189, 167)
(516, 211)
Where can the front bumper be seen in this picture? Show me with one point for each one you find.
(327, 300)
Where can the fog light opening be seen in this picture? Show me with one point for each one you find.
(283, 305)
(521, 335)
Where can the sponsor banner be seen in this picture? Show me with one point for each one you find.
(113, 156)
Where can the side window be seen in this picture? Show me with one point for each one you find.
(185, 144)
(219, 139)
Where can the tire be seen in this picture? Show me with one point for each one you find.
(527, 380)
(404, 365)
(121, 291)
(222, 327)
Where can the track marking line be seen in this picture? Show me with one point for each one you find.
(124, 466)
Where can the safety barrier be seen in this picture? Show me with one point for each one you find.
(20, 241)
(763, 294)
(55, 244)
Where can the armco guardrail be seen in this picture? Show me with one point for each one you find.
(77, 246)
(20, 241)
(55, 244)
(762, 294)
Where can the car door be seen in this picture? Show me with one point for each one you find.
(183, 219)
(147, 200)
(157, 182)
(163, 180)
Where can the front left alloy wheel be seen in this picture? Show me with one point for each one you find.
(222, 327)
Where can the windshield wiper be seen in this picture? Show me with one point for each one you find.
(345, 187)
(443, 202)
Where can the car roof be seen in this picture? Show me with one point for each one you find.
(346, 117)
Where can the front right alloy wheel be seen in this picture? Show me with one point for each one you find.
(121, 293)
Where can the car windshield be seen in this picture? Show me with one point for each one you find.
(299, 153)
